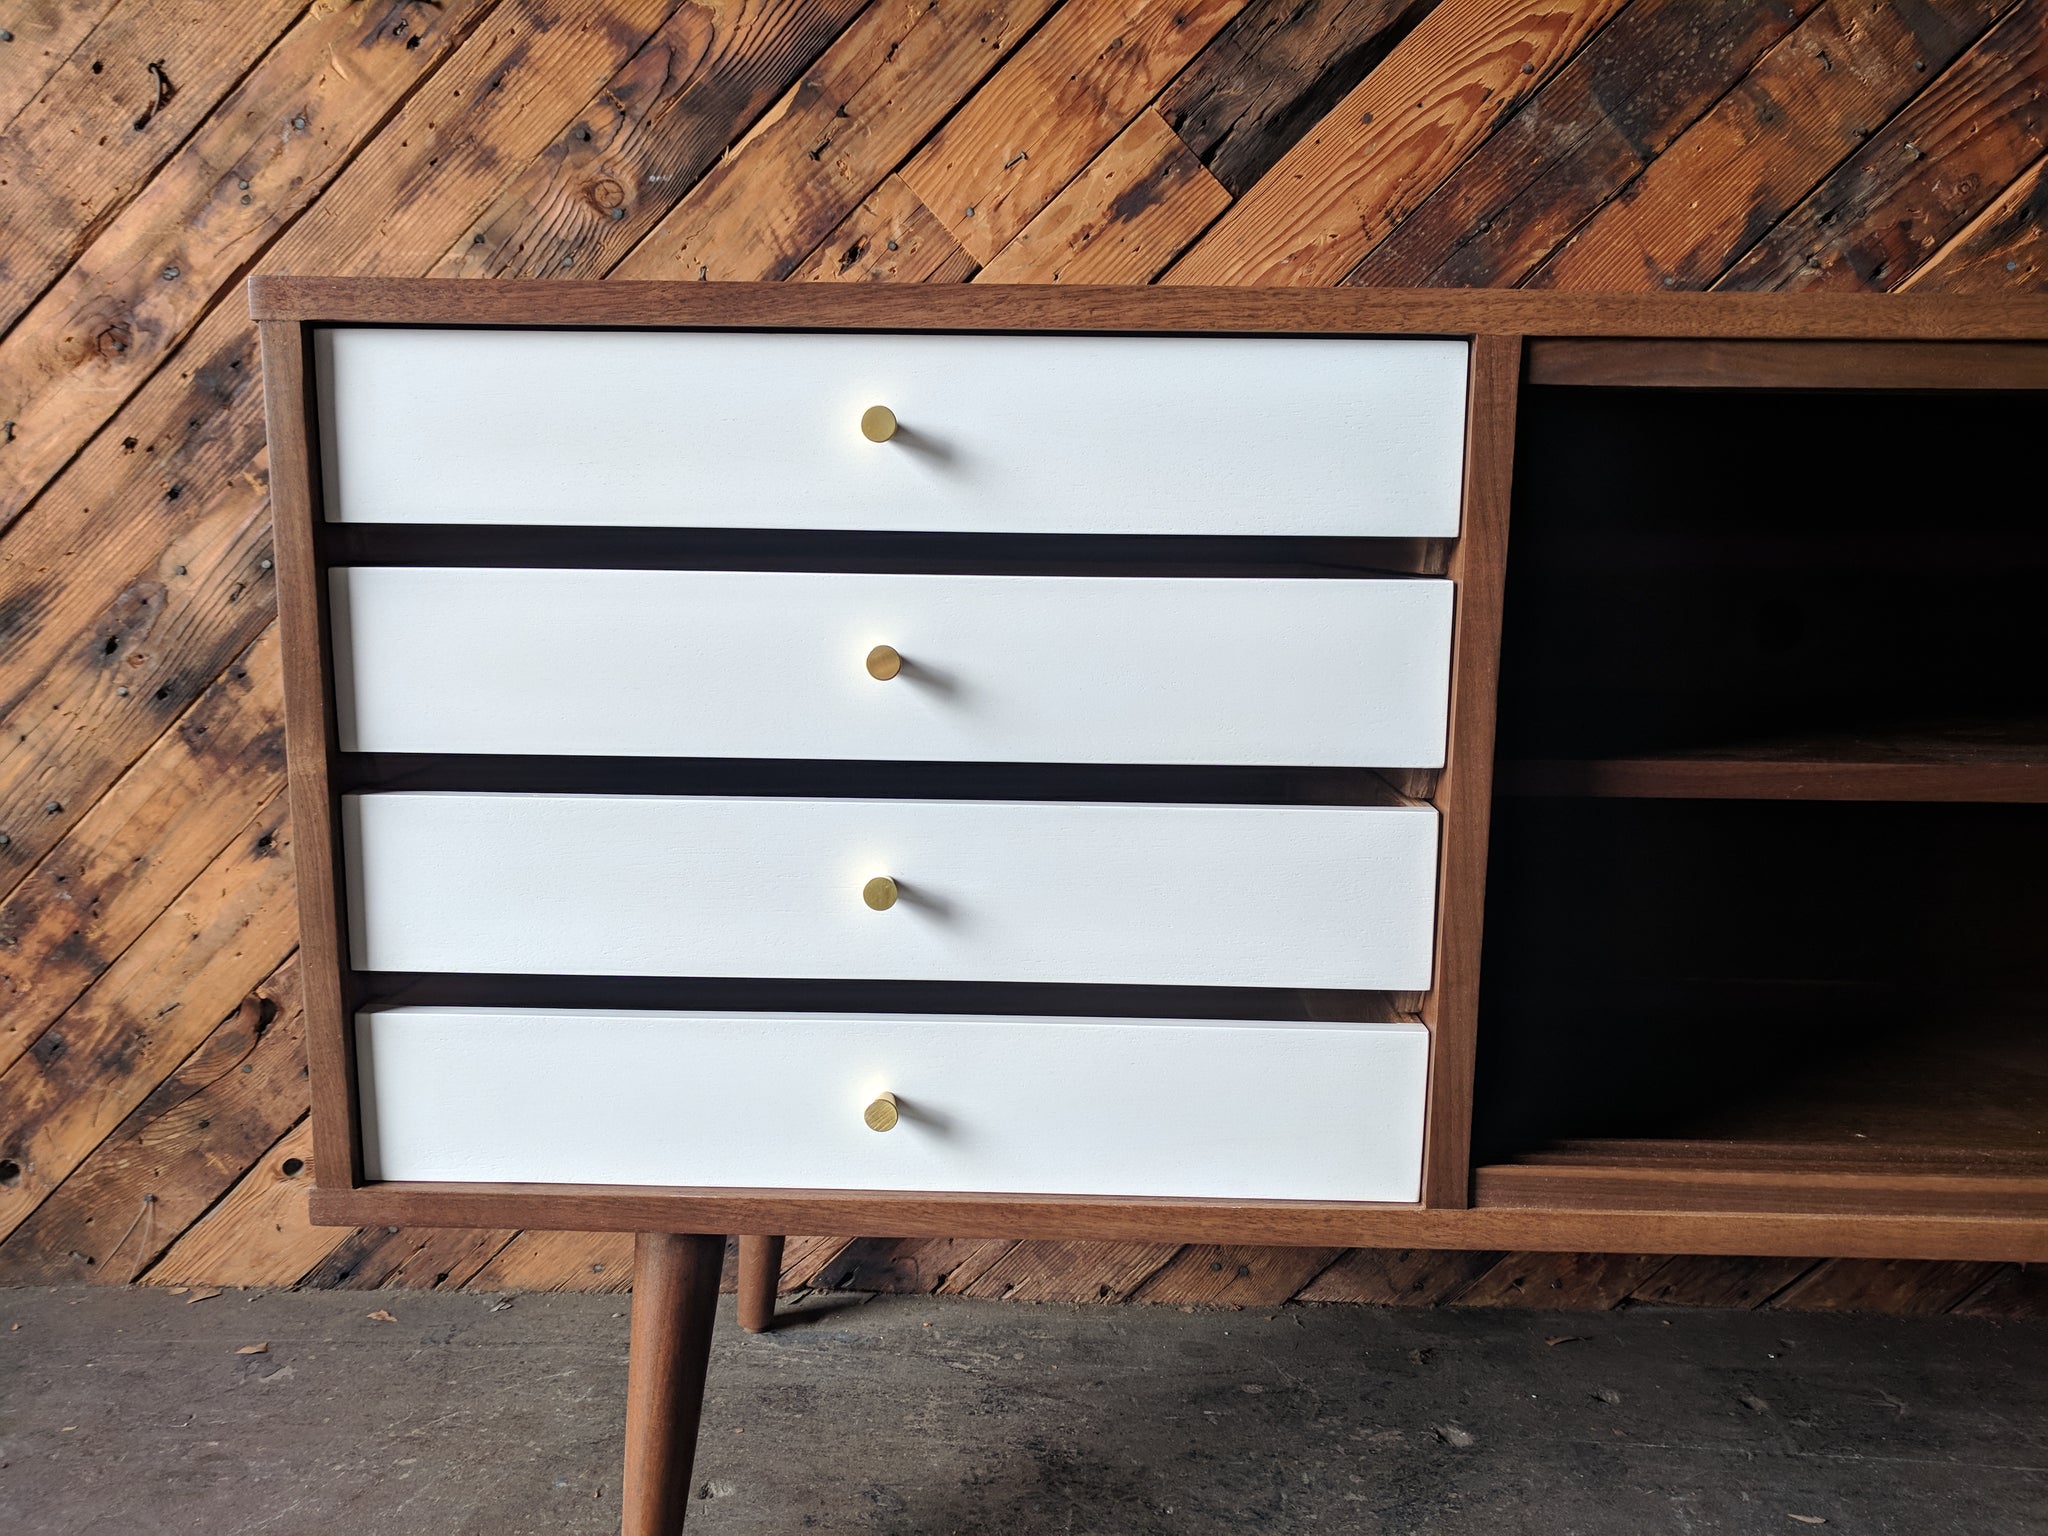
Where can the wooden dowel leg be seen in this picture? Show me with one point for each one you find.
(760, 1279)
(675, 1298)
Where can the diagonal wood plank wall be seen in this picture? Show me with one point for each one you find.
(155, 152)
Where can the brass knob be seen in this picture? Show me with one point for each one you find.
(884, 663)
(878, 423)
(881, 1115)
(879, 893)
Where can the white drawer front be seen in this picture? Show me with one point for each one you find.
(1065, 434)
(988, 1105)
(623, 885)
(997, 668)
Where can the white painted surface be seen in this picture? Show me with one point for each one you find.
(1000, 668)
(989, 1105)
(625, 885)
(1014, 433)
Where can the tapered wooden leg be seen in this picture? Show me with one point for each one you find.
(760, 1279)
(675, 1298)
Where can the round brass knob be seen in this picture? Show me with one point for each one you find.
(879, 893)
(881, 1115)
(884, 663)
(878, 423)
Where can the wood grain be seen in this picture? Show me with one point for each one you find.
(1642, 80)
(140, 844)
(407, 1258)
(128, 615)
(694, 87)
(91, 135)
(146, 1013)
(943, 1266)
(1620, 364)
(1594, 1281)
(258, 1233)
(1464, 792)
(310, 748)
(46, 34)
(1270, 75)
(1881, 1285)
(1056, 1228)
(760, 1277)
(1028, 307)
(1827, 86)
(1065, 1270)
(1051, 109)
(2013, 1291)
(675, 1298)
(1234, 1275)
(1709, 1281)
(1812, 1189)
(1399, 1277)
(559, 1260)
(1998, 252)
(1918, 181)
(870, 100)
(1135, 207)
(1391, 142)
(804, 1260)
(177, 1152)
(890, 238)
(137, 287)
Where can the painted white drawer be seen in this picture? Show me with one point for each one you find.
(625, 885)
(988, 1105)
(996, 668)
(1044, 434)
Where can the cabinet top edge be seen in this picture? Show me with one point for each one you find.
(1029, 308)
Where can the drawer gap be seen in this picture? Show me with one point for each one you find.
(389, 989)
(371, 772)
(777, 549)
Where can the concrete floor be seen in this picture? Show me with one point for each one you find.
(134, 1412)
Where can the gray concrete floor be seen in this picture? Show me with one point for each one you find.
(132, 1411)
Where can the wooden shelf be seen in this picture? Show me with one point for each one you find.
(1946, 1117)
(2004, 762)
(1700, 1176)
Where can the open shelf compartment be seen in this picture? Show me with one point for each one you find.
(1779, 595)
(1796, 1006)
(1766, 925)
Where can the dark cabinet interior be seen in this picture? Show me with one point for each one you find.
(1768, 883)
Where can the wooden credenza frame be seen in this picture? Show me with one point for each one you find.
(1516, 339)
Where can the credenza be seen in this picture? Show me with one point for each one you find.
(1041, 763)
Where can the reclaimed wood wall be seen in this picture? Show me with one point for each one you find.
(155, 152)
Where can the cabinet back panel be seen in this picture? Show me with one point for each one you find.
(1658, 968)
(1692, 568)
